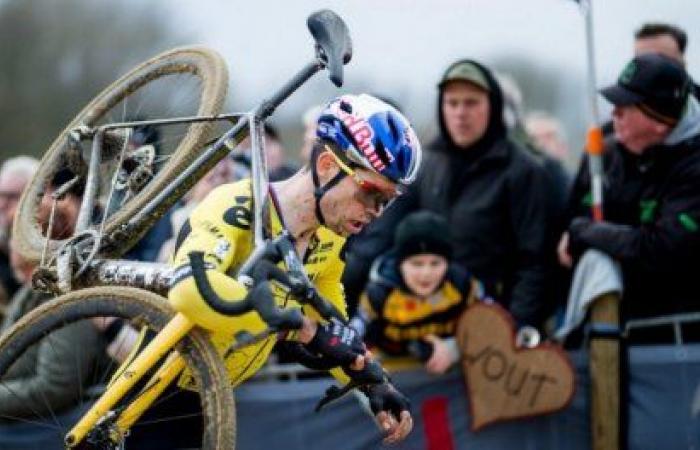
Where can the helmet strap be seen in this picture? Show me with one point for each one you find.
(320, 191)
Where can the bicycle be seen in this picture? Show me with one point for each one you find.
(126, 189)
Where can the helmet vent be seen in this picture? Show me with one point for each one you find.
(345, 106)
(381, 152)
(395, 137)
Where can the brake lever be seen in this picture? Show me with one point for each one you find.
(302, 287)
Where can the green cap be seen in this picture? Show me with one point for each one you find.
(466, 71)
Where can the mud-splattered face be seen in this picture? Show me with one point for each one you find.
(358, 199)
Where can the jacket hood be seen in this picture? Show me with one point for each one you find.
(689, 125)
(496, 128)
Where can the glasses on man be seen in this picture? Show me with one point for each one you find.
(372, 194)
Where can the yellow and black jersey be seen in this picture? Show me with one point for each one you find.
(221, 227)
(395, 317)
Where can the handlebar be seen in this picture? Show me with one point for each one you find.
(257, 271)
(259, 299)
(295, 278)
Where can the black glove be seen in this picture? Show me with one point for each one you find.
(337, 342)
(385, 397)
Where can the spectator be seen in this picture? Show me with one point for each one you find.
(148, 247)
(46, 376)
(14, 176)
(309, 120)
(667, 39)
(278, 168)
(492, 192)
(558, 177)
(222, 172)
(416, 294)
(547, 133)
(651, 200)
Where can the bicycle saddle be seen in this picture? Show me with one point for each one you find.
(333, 43)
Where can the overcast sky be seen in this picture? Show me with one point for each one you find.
(402, 46)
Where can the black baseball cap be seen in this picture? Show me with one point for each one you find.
(657, 84)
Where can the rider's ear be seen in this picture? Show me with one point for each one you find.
(326, 166)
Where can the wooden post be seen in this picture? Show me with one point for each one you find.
(605, 373)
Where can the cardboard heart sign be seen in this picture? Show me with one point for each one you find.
(505, 382)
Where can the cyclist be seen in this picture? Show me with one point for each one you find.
(364, 154)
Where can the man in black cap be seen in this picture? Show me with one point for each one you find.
(652, 192)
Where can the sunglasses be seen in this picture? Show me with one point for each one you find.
(372, 194)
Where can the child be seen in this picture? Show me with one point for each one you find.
(416, 295)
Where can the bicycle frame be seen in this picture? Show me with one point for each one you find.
(161, 344)
(156, 277)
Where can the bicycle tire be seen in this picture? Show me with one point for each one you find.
(143, 307)
(205, 66)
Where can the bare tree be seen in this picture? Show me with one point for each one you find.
(56, 55)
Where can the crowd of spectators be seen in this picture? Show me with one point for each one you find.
(484, 218)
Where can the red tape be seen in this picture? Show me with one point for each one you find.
(436, 424)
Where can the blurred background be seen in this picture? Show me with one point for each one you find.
(55, 56)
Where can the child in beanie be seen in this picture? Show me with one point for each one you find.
(416, 294)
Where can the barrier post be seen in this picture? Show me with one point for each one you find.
(604, 366)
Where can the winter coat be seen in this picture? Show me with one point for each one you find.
(651, 205)
(495, 198)
(50, 373)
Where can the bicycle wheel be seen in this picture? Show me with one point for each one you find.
(38, 340)
(137, 163)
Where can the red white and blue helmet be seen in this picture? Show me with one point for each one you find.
(372, 134)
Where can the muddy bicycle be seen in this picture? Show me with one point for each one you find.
(125, 188)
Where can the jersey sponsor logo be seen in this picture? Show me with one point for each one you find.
(316, 260)
(212, 228)
(239, 217)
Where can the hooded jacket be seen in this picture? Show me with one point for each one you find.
(494, 196)
(652, 220)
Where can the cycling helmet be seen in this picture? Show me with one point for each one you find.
(367, 132)
(372, 134)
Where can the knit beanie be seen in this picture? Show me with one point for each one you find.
(422, 232)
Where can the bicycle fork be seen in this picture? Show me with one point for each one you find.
(163, 343)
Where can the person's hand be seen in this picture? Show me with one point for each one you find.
(563, 254)
(391, 409)
(442, 357)
(335, 341)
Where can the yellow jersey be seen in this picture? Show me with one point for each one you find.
(221, 227)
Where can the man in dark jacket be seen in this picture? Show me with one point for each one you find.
(652, 190)
(491, 191)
